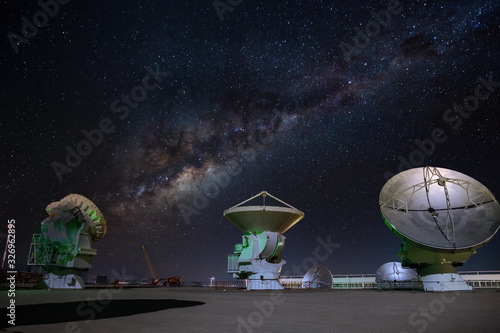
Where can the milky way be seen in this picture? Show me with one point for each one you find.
(166, 160)
(264, 100)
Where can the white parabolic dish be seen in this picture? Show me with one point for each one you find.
(264, 218)
(417, 209)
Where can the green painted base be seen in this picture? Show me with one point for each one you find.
(437, 269)
(415, 256)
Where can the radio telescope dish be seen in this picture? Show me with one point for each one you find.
(441, 215)
(317, 277)
(63, 247)
(258, 257)
(91, 214)
(259, 218)
(440, 209)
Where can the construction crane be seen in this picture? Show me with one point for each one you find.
(174, 281)
(150, 264)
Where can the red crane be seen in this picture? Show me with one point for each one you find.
(174, 281)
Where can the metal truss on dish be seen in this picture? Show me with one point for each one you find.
(258, 257)
(442, 216)
(317, 277)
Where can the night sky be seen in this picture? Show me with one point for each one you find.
(194, 109)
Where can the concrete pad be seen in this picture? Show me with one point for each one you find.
(185, 309)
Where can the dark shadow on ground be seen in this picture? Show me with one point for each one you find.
(53, 313)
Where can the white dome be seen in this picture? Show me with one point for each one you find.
(395, 272)
(317, 277)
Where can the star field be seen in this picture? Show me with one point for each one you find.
(265, 99)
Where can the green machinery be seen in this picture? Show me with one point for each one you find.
(63, 248)
(258, 257)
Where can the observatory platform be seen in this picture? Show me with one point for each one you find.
(155, 310)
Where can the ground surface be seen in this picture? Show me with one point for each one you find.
(208, 310)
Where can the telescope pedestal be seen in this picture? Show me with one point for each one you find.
(436, 270)
(442, 277)
(63, 280)
(444, 282)
(258, 258)
(265, 275)
(264, 285)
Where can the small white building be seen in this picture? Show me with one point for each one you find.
(476, 279)
(351, 281)
(481, 279)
